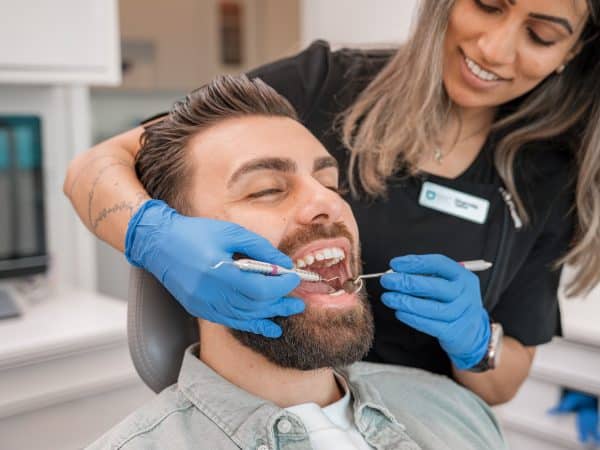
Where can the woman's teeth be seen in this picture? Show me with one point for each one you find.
(479, 72)
(331, 255)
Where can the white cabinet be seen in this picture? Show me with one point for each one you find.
(59, 41)
(65, 372)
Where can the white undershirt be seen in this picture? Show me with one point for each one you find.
(332, 426)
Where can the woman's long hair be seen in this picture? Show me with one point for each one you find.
(399, 116)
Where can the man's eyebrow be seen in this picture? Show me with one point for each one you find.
(559, 20)
(325, 162)
(278, 164)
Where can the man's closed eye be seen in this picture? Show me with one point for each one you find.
(266, 193)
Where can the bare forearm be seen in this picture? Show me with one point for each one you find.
(502, 383)
(104, 190)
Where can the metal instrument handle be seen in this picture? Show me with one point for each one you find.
(254, 266)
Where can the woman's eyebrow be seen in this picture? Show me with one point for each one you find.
(559, 20)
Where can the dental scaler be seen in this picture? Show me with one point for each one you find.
(252, 265)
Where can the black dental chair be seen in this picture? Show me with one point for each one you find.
(159, 330)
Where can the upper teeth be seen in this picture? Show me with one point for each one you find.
(479, 72)
(332, 255)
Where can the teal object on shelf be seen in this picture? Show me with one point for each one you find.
(20, 142)
(23, 249)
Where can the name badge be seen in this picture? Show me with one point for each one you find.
(453, 202)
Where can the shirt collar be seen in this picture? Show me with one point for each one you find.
(367, 400)
(337, 414)
(248, 419)
(244, 417)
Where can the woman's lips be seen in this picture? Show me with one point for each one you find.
(473, 80)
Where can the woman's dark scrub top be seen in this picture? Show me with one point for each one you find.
(520, 291)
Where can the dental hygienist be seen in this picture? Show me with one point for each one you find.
(477, 139)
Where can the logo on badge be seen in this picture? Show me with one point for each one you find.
(454, 202)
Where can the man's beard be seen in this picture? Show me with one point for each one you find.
(318, 337)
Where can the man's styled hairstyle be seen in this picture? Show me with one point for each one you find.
(161, 163)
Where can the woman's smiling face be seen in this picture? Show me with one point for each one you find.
(498, 50)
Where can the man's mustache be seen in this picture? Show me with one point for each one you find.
(289, 244)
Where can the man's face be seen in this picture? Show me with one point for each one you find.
(271, 176)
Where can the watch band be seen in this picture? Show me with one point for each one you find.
(491, 359)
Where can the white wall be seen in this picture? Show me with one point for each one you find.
(114, 112)
(356, 21)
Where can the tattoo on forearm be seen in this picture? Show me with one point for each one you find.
(89, 164)
(97, 180)
(122, 206)
(132, 207)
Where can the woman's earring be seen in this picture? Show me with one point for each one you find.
(560, 69)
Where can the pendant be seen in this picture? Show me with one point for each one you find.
(437, 155)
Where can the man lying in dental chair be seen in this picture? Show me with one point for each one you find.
(234, 151)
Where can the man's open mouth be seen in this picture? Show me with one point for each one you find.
(331, 259)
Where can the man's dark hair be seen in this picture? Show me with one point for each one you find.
(161, 164)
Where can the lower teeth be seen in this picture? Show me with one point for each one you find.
(338, 293)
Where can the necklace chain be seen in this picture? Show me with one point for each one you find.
(437, 151)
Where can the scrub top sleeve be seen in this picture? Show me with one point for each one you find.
(528, 308)
(301, 79)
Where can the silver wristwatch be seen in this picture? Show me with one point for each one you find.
(492, 357)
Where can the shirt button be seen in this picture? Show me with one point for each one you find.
(284, 426)
(263, 447)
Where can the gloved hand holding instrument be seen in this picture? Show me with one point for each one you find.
(439, 297)
(181, 252)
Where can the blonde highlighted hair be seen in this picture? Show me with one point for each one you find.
(399, 116)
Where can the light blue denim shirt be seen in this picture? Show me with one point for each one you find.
(395, 408)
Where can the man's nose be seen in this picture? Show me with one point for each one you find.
(319, 204)
(498, 45)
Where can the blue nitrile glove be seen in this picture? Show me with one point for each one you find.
(586, 408)
(438, 296)
(180, 252)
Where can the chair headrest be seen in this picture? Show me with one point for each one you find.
(158, 329)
